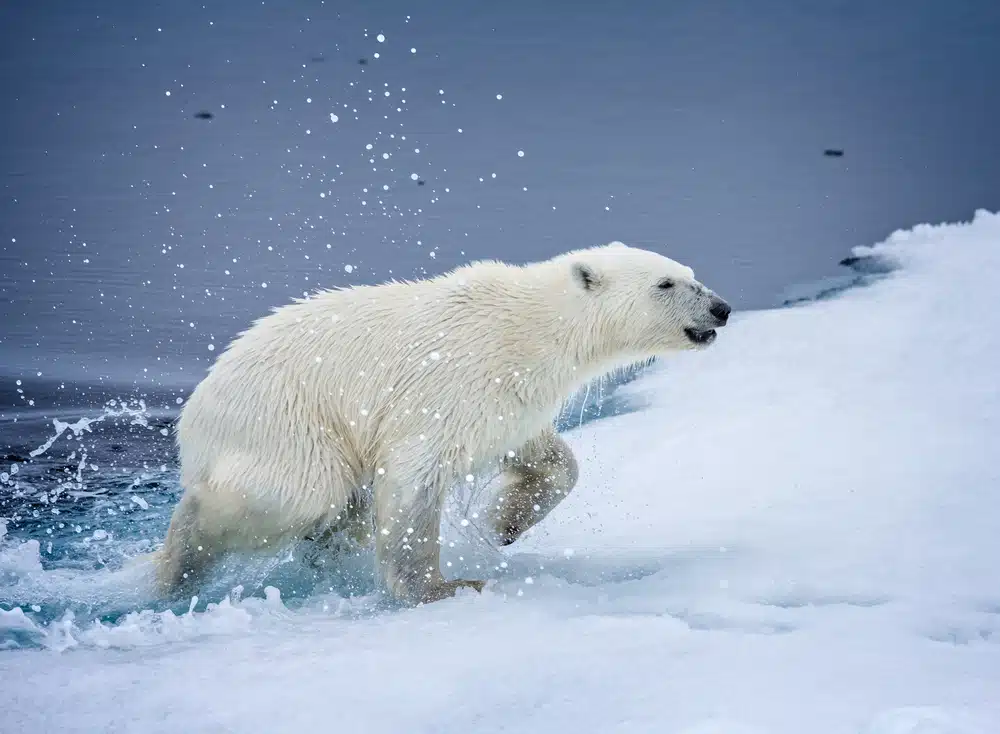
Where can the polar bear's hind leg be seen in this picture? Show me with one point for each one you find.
(189, 549)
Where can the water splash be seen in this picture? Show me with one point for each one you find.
(113, 409)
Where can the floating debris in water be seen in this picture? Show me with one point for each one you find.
(363, 61)
(833, 152)
(204, 115)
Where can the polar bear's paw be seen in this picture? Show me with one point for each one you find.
(447, 589)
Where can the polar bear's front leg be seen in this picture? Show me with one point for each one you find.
(536, 479)
(408, 538)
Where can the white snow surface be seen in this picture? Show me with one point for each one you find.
(799, 535)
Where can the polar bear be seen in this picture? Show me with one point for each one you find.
(358, 409)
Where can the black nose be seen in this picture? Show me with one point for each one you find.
(720, 310)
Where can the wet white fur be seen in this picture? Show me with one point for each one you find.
(395, 392)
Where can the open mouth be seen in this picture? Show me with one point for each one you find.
(699, 336)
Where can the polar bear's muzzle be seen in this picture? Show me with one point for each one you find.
(719, 311)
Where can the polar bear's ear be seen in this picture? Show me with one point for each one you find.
(586, 277)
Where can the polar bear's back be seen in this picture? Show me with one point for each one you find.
(312, 392)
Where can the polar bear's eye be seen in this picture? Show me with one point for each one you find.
(665, 285)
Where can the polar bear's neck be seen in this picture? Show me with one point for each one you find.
(542, 332)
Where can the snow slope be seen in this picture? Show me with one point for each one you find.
(798, 535)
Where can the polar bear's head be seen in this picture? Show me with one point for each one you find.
(641, 303)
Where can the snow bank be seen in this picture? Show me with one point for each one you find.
(799, 534)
